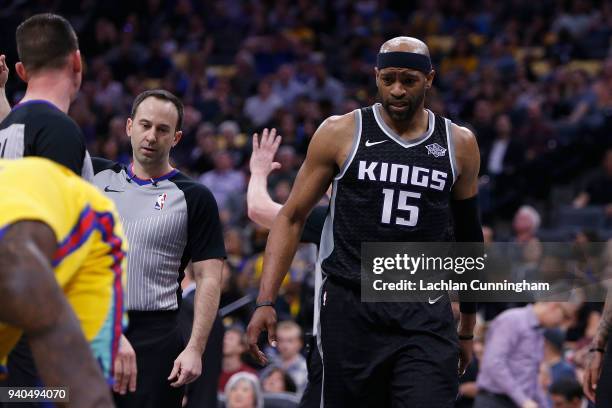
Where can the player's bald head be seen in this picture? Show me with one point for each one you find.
(405, 44)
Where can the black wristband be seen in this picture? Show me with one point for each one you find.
(262, 304)
(470, 337)
(597, 349)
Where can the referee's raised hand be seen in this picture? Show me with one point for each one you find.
(264, 318)
(4, 71)
(262, 159)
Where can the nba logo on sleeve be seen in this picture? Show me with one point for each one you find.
(161, 200)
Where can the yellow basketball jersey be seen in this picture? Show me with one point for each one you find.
(90, 256)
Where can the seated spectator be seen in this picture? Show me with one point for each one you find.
(206, 146)
(289, 338)
(598, 190)
(514, 350)
(506, 153)
(324, 87)
(243, 391)
(223, 180)
(287, 158)
(553, 356)
(525, 224)
(233, 141)
(537, 131)
(234, 346)
(276, 380)
(286, 86)
(260, 108)
(567, 393)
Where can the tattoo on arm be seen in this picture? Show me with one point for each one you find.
(605, 324)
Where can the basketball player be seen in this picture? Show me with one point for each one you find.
(399, 354)
(50, 63)
(599, 362)
(263, 210)
(169, 220)
(58, 233)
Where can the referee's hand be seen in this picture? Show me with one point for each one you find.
(4, 71)
(187, 367)
(125, 369)
(262, 159)
(264, 318)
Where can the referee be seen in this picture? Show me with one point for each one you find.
(169, 220)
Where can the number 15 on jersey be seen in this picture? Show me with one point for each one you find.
(409, 213)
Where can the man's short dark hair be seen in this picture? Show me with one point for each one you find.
(164, 96)
(44, 41)
(569, 388)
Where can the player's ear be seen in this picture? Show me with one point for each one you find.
(178, 135)
(376, 73)
(21, 71)
(128, 127)
(77, 62)
(430, 77)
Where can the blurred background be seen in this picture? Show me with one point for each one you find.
(532, 79)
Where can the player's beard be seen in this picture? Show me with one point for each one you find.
(412, 104)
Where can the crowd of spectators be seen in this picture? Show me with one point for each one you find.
(532, 79)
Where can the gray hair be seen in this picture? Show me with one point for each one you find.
(533, 214)
(249, 378)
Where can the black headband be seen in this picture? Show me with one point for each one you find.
(400, 59)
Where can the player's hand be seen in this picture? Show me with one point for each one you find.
(465, 355)
(529, 404)
(4, 71)
(264, 318)
(592, 370)
(187, 367)
(262, 160)
(125, 367)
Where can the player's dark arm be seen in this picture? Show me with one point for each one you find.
(593, 367)
(466, 219)
(5, 107)
(312, 181)
(32, 301)
(605, 324)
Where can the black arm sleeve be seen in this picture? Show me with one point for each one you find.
(314, 225)
(205, 234)
(61, 140)
(100, 164)
(467, 228)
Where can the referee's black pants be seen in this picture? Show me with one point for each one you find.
(157, 340)
(386, 354)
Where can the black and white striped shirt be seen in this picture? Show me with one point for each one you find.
(168, 222)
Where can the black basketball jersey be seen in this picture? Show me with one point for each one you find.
(389, 190)
(39, 128)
